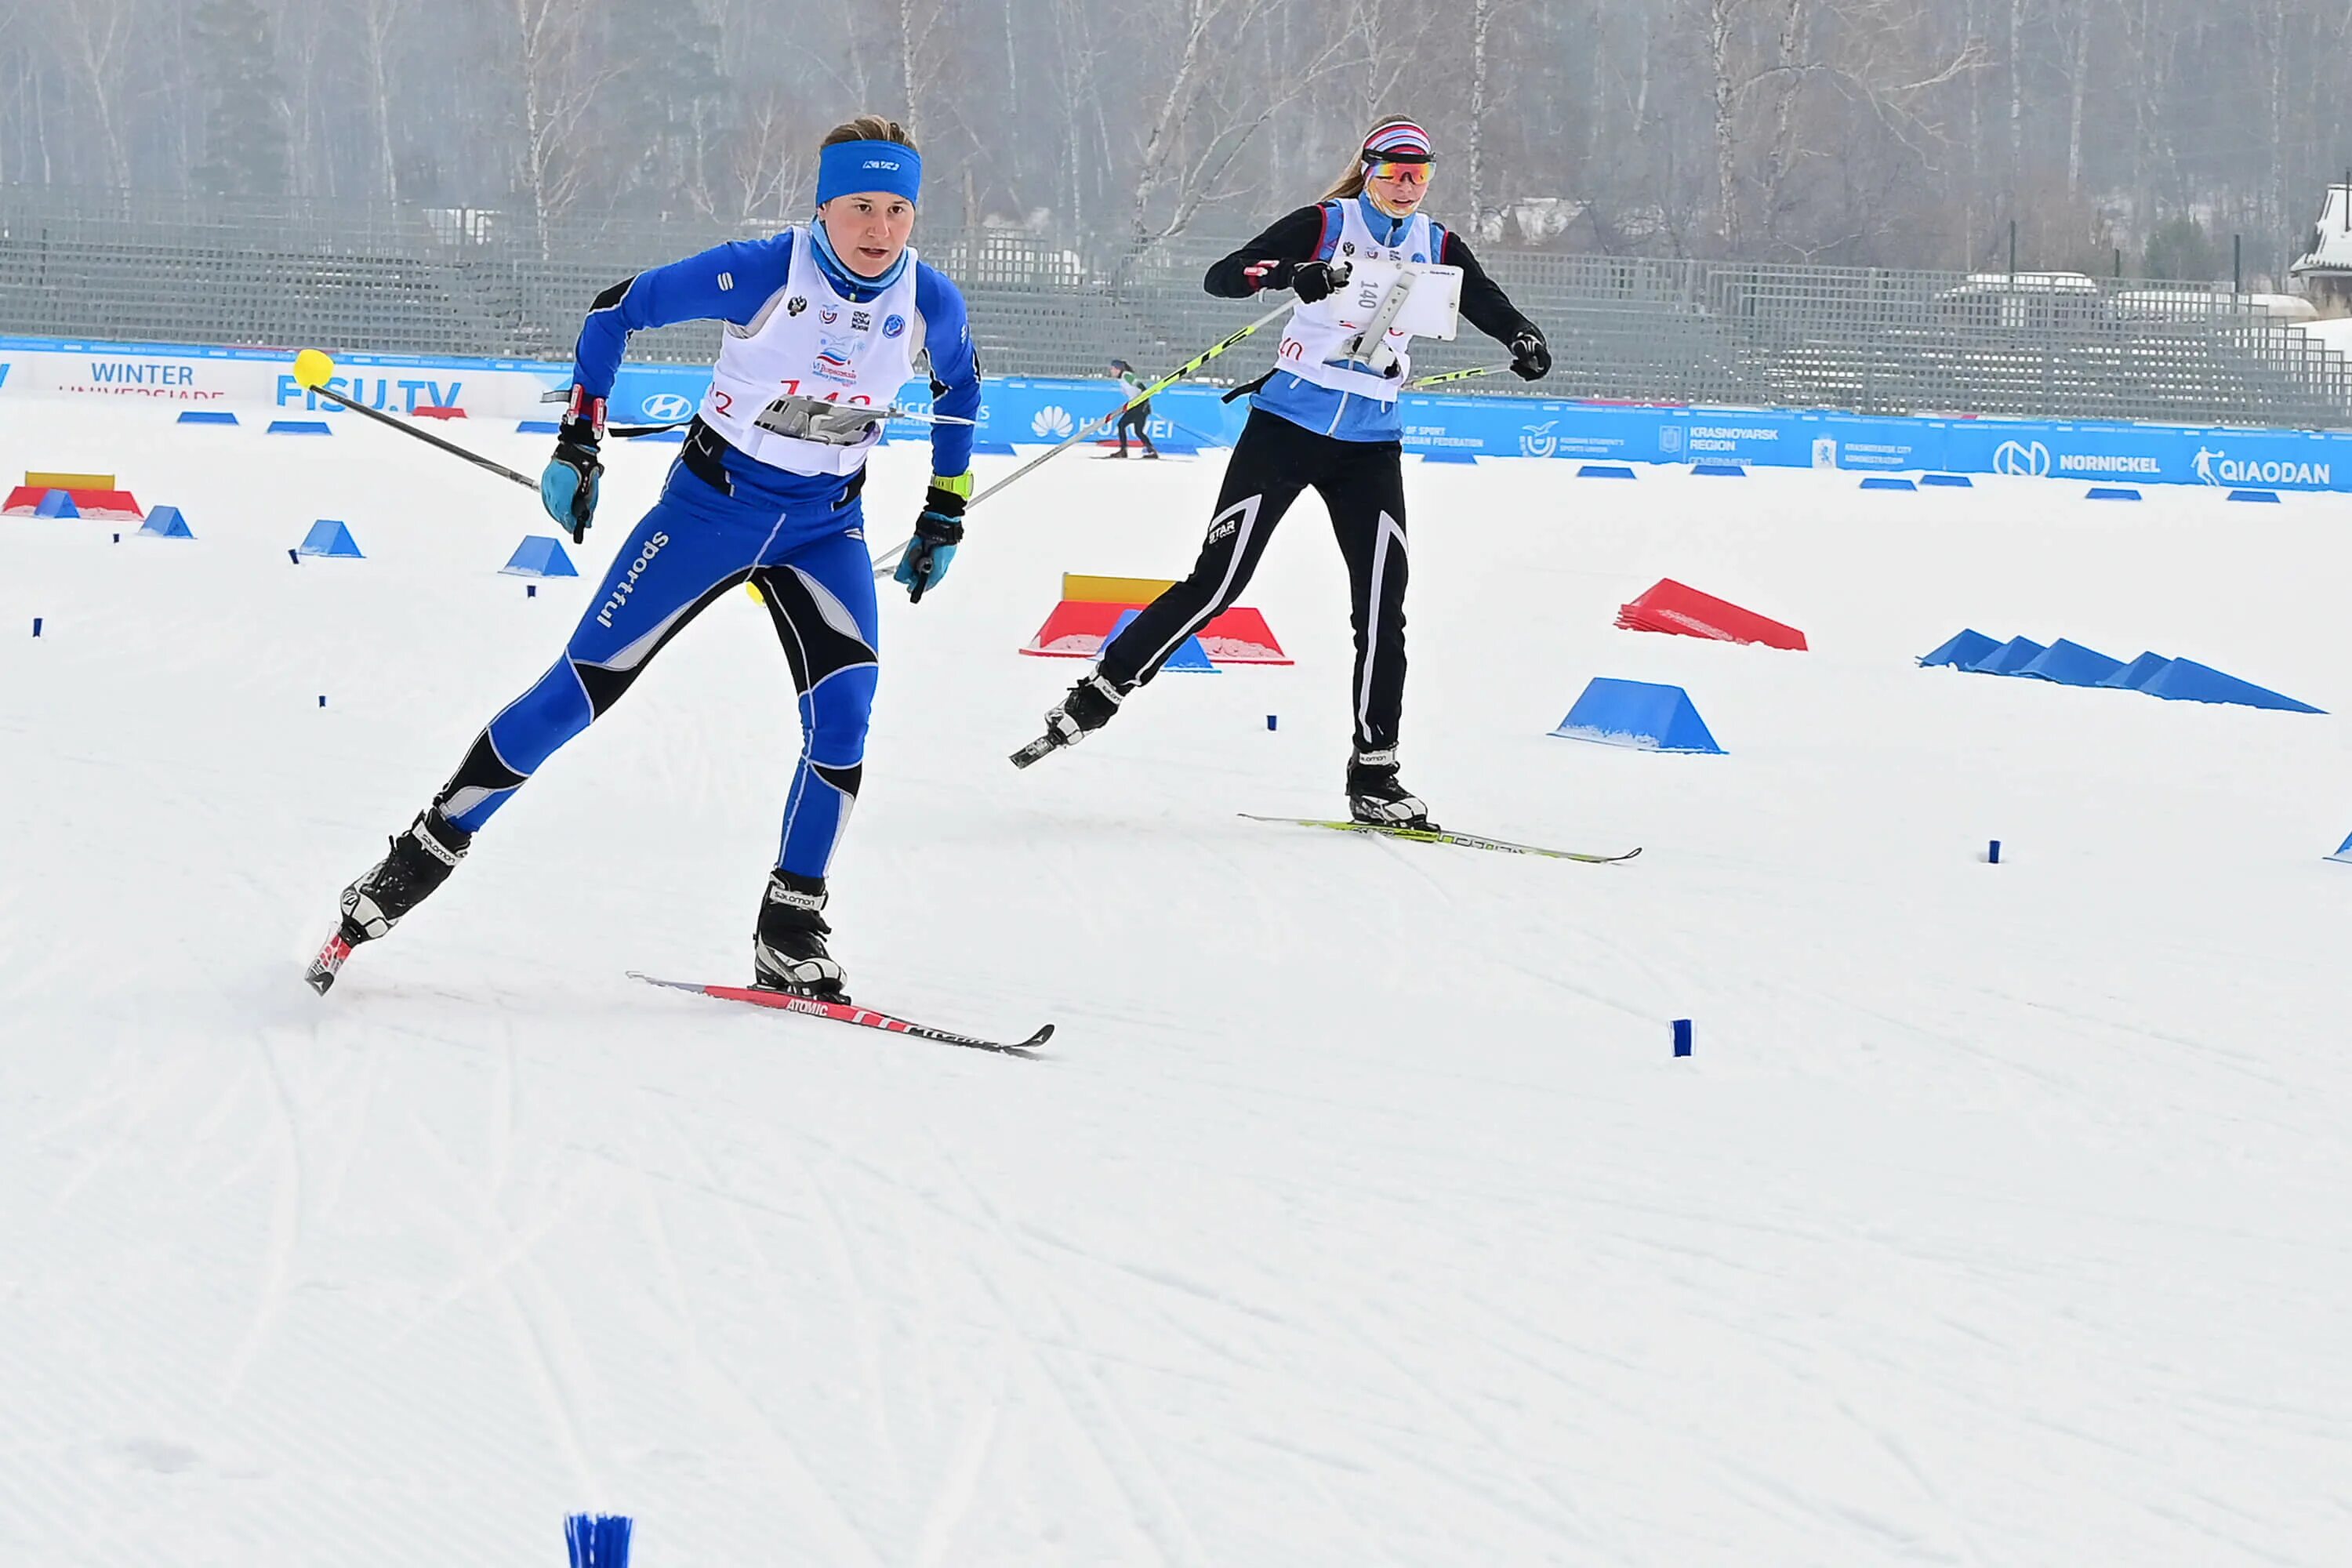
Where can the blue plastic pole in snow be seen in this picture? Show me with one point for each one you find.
(1992, 853)
(597, 1539)
(36, 632)
(1682, 1037)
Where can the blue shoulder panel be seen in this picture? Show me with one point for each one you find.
(726, 283)
(1328, 245)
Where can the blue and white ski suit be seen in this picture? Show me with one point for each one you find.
(742, 504)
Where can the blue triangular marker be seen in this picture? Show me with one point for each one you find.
(2258, 497)
(2137, 673)
(328, 537)
(165, 522)
(1963, 650)
(1605, 471)
(1639, 715)
(1719, 470)
(2111, 492)
(2344, 854)
(2070, 664)
(57, 503)
(2185, 680)
(206, 416)
(1192, 655)
(2008, 657)
(539, 556)
(1881, 482)
(1947, 482)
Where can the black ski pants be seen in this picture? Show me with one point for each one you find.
(1362, 484)
(1137, 419)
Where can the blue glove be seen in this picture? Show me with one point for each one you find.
(567, 485)
(938, 531)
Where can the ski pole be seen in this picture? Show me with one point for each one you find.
(313, 366)
(889, 558)
(1422, 382)
(890, 411)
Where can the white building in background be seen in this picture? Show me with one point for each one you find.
(2326, 273)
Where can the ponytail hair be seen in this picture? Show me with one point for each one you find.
(1350, 183)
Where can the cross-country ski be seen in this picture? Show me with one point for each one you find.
(1436, 835)
(847, 1012)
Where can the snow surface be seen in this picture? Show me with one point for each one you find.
(1360, 1214)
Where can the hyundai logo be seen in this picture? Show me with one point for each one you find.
(665, 406)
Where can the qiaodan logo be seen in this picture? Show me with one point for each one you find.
(2025, 459)
(1538, 441)
(2217, 468)
(1053, 421)
(662, 407)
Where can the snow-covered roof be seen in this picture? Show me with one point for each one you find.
(2331, 247)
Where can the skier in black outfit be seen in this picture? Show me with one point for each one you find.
(1326, 417)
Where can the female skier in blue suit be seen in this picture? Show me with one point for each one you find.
(822, 320)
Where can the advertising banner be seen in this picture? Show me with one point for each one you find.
(1025, 411)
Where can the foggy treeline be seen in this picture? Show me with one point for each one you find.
(1889, 132)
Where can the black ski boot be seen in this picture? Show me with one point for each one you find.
(1087, 708)
(788, 947)
(418, 861)
(1375, 796)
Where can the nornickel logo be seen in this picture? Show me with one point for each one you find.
(2025, 459)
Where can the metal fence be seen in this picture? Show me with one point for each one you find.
(133, 265)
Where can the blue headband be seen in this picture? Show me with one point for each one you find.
(846, 168)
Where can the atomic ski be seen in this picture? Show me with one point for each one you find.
(1439, 836)
(843, 1012)
(1037, 749)
(330, 962)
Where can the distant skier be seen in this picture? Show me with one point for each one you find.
(832, 314)
(1326, 417)
(1136, 417)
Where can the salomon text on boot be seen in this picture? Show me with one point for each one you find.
(788, 950)
(418, 861)
(1375, 796)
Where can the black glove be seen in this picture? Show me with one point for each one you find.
(1530, 355)
(932, 549)
(1313, 280)
(567, 485)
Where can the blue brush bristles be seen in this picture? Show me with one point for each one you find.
(597, 1539)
